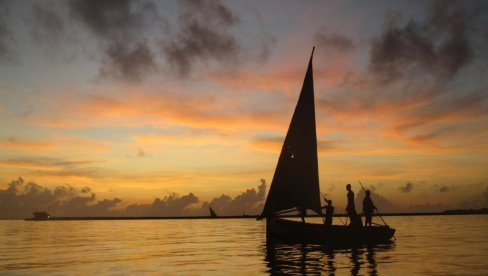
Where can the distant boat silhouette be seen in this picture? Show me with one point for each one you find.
(295, 185)
(212, 213)
(40, 216)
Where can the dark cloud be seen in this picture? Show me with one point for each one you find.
(119, 26)
(267, 39)
(21, 198)
(6, 38)
(128, 62)
(442, 188)
(334, 42)
(108, 19)
(427, 207)
(48, 26)
(249, 202)
(383, 204)
(440, 45)
(203, 35)
(121, 29)
(408, 187)
(485, 195)
(141, 152)
(53, 167)
(173, 205)
(267, 43)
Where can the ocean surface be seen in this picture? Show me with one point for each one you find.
(424, 245)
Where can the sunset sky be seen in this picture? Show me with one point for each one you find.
(141, 99)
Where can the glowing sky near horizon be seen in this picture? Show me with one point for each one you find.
(137, 99)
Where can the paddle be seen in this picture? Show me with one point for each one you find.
(377, 211)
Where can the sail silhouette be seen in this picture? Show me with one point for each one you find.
(296, 179)
(212, 212)
(295, 184)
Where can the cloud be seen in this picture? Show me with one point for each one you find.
(442, 188)
(267, 43)
(128, 62)
(21, 198)
(48, 26)
(383, 204)
(427, 207)
(171, 205)
(267, 40)
(6, 38)
(207, 111)
(203, 35)
(408, 187)
(54, 143)
(274, 143)
(334, 43)
(267, 143)
(279, 80)
(119, 27)
(141, 153)
(110, 19)
(249, 202)
(485, 195)
(53, 167)
(24, 144)
(440, 45)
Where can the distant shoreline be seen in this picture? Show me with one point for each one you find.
(444, 213)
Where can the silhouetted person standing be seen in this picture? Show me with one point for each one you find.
(303, 214)
(351, 208)
(329, 212)
(368, 208)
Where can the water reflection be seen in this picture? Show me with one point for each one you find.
(304, 259)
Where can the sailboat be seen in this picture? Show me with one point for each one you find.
(212, 212)
(295, 185)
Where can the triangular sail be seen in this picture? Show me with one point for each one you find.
(212, 212)
(296, 180)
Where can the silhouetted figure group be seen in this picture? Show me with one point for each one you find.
(368, 208)
(354, 218)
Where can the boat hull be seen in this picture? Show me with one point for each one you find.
(294, 231)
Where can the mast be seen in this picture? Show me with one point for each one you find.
(296, 181)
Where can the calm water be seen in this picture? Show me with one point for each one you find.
(428, 245)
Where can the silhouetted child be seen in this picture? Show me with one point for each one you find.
(329, 212)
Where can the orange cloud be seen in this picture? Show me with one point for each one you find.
(251, 80)
(23, 144)
(271, 144)
(274, 144)
(29, 164)
(180, 139)
(137, 109)
(55, 143)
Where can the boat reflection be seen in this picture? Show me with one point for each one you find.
(305, 259)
